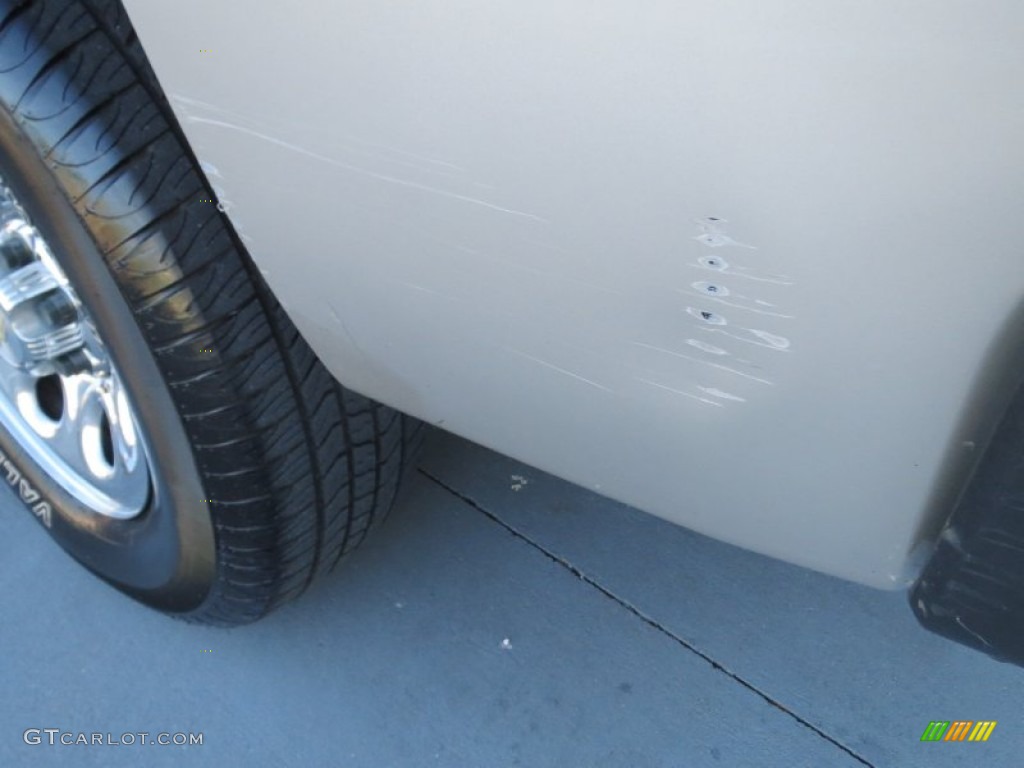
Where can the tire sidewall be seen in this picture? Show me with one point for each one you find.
(166, 555)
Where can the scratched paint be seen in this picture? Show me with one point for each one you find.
(348, 143)
(718, 308)
(703, 346)
(210, 169)
(558, 368)
(727, 315)
(707, 316)
(224, 203)
(713, 262)
(773, 340)
(681, 393)
(715, 392)
(385, 178)
(710, 289)
(712, 234)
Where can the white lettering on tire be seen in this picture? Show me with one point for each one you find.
(28, 494)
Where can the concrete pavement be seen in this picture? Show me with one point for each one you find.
(500, 618)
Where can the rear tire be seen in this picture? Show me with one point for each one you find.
(265, 471)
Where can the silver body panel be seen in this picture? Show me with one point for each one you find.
(752, 267)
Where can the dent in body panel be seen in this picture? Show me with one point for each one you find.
(760, 137)
(709, 317)
(195, 112)
(380, 164)
(694, 386)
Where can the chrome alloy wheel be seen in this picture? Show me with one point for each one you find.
(60, 395)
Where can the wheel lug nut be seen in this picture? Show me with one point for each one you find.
(15, 252)
(57, 309)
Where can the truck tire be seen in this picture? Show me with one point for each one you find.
(159, 413)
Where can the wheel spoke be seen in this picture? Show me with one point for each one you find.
(60, 396)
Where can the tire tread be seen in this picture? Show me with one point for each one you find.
(299, 467)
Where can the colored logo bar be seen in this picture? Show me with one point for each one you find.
(958, 730)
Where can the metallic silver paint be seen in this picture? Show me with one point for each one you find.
(735, 263)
